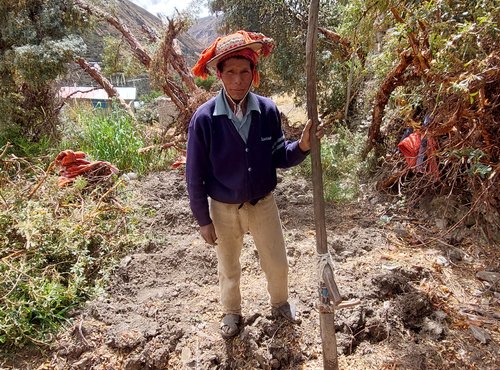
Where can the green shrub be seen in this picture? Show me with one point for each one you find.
(341, 165)
(205, 84)
(148, 98)
(56, 251)
(112, 135)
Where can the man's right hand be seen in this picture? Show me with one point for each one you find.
(208, 233)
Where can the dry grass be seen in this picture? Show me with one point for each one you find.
(297, 115)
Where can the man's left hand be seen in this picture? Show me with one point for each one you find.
(305, 138)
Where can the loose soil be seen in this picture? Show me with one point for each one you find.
(422, 306)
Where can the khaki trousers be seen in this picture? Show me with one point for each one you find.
(262, 220)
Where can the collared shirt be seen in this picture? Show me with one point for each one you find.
(222, 108)
(221, 165)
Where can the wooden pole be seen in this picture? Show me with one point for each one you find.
(326, 317)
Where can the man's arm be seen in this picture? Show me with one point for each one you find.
(196, 167)
(291, 153)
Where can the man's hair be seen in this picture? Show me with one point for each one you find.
(220, 65)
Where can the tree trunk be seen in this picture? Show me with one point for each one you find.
(394, 79)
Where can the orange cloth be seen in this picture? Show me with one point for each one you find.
(410, 147)
(74, 164)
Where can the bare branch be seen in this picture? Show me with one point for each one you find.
(104, 82)
(136, 47)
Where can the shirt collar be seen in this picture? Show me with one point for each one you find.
(222, 106)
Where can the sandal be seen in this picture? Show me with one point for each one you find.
(286, 311)
(230, 325)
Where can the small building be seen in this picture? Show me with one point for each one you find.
(97, 96)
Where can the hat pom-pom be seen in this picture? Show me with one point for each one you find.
(200, 69)
(267, 47)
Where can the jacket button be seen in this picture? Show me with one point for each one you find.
(246, 150)
(249, 169)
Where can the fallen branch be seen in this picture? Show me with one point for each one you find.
(42, 180)
(5, 149)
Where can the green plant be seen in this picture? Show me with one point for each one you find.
(205, 83)
(112, 136)
(341, 165)
(56, 249)
(148, 98)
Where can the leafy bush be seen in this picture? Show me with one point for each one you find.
(22, 146)
(148, 98)
(341, 164)
(205, 83)
(113, 136)
(56, 249)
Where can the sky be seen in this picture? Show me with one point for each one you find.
(165, 7)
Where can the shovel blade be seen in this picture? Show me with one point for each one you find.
(333, 290)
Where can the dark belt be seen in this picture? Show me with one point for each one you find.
(253, 201)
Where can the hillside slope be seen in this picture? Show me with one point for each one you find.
(137, 20)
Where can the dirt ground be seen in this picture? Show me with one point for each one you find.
(422, 306)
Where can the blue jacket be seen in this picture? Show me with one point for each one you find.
(222, 166)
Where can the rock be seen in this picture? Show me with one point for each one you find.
(385, 219)
(441, 223)
(480, 334)
(442, 261)
(400, 230)
(440, 315)
(456, 254)
(133, 363)
(347, 253)
(130, 176)
(124, 338)
(186, 356)
(125, 261)
(391, 266)
(491, 277)
(433, 328)
(275, 364)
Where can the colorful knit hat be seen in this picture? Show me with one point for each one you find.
(238, 43)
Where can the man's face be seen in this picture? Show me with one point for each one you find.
(237, 76)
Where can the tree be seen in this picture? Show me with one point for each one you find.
(37, 39)
(166, 66)
(286, 22)
(117, 58)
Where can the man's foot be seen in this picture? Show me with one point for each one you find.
(286, 311)
(231, 325)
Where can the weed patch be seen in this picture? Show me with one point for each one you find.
(57, 248)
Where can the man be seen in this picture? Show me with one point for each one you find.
(235, 143)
